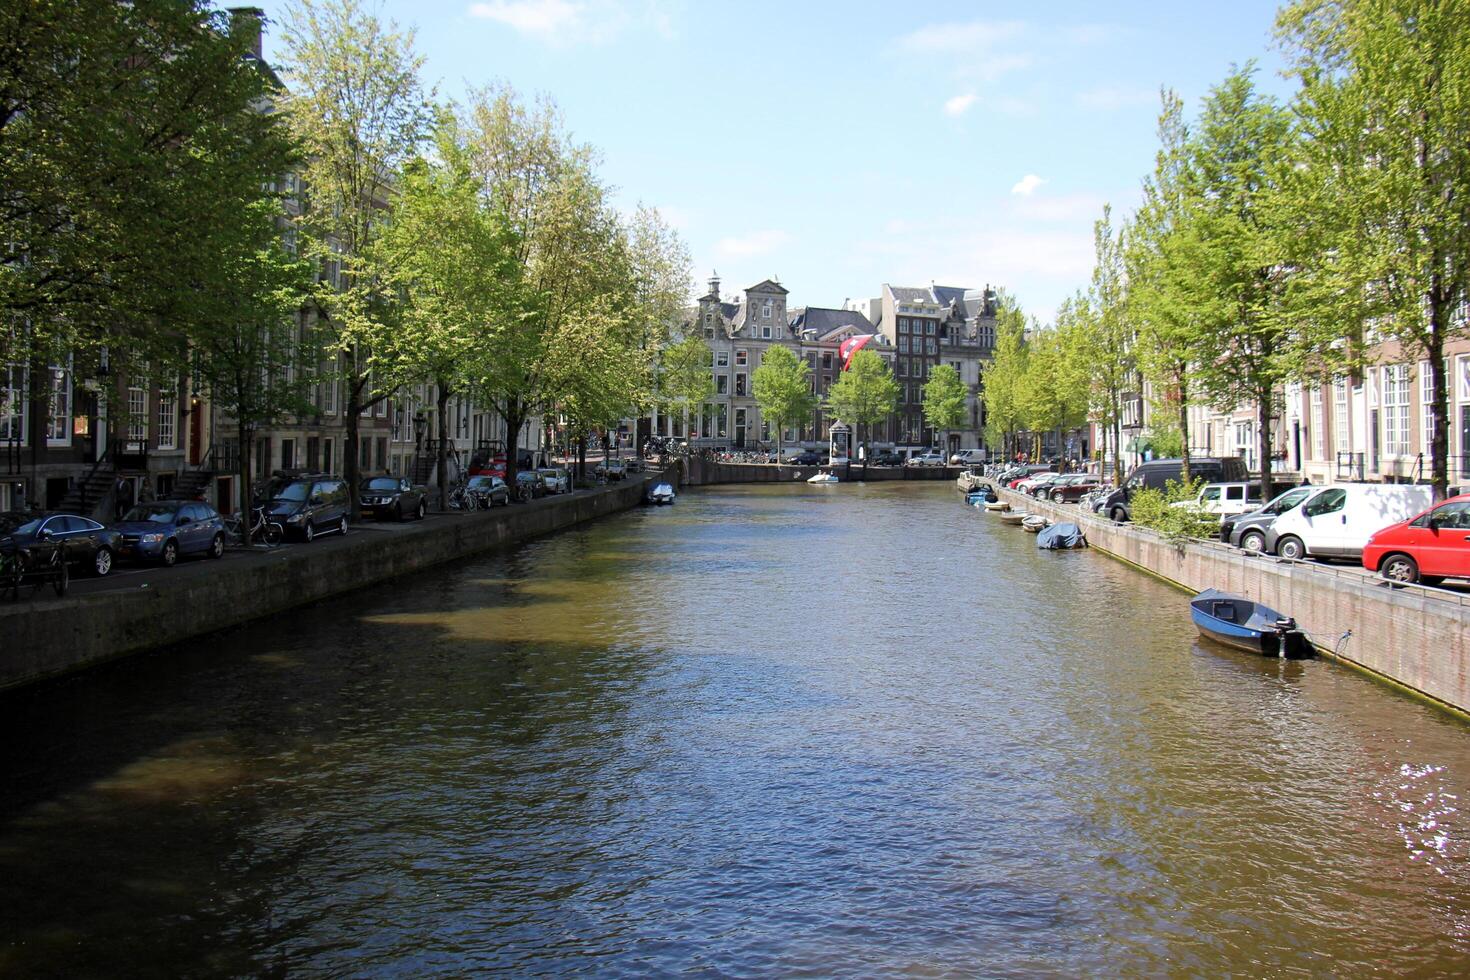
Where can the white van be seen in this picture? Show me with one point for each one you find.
(1338, 522)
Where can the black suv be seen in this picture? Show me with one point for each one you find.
(1156, 473)
(887, 458)
(807, 457)
(310, 505)
(392, 497)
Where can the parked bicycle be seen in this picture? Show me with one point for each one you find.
(270, 533)
(18, 572)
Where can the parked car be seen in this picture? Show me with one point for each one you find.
(967, 457)
(83, 542)
(1248, 531)
(530, 484)
(556, 480)
(392, 497)
(1026, 473)
(1071, 488)
(929, 457)
(1156, 474)
(1427, 548)
(1339, 521)
(485, 491)
(885, 458)
(807, 457)
(612, 469)
(1222, 499)
(311, 506)
(1037, 485)
(167, 529)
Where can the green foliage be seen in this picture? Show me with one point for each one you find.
(130, 148)
(1156, 510)
(782, 387)
(865, 394)
(685, 376)
(1005, 378)
(945, 399)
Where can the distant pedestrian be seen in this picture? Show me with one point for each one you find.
(122, 497)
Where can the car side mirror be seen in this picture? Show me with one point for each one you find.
(45, 534)
(315, 501)
(1436, 522)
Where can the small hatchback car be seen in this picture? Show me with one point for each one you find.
(1434, 545)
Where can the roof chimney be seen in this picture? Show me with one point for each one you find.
(714, 283)
(248, 23)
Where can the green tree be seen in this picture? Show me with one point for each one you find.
(360, 114)
(131, 146)
(247, 347)
(1005, 378)
(945, 398)
(864, 395)
(447, 258)
(782, 386)
(1382, 189)
(686, 375)
(1247, 347)
(1160, 281)
(1111, 349)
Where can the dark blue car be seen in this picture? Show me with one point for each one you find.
(164, 530)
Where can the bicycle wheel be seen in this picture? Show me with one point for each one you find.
(272, 533)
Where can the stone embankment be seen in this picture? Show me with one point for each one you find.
(1413, 636)
(45, 638)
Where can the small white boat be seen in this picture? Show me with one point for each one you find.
(1033, 523)
(1013, 517)
(997, 505)
(823, 478)
(662, 493)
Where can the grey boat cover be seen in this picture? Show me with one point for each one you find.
(1064, 535)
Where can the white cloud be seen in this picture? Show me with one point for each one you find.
(1080, 208)
(562, 23)
(1110, 97)
(957, 105)
(754, 243)
(961, 38)
(1027, 184)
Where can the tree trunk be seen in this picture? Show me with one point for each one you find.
(513, 419)
(352, 453)
(1263, 441)
(582, 457)
(1117, 438)
(246, 512)
(1439, 409)
(441, 464)
(1184, 436)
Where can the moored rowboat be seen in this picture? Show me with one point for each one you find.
(1247, 625)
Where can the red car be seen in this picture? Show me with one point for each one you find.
(1433, 546)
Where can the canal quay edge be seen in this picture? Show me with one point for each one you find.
(48, 639)
(1411, 638)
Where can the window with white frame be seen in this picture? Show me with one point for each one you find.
(903, 345)
(1426, 404)
(1245, 443)
(13, 405)
(742, 358)
(722, 358)
(766, 332)
(137, 418)
(167, 406)
(766, 310)
(1319, 433)
(1396, 409)
(930, 345)
(1463, 373)
(329, 396)
(1340, 415)
(58, 423)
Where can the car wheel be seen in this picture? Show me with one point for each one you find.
(1253, 541)
(1056, 496)
(170, 552)
(217, 546)
(342, 525)
(423, 510)
(1119, 515)
(309, 531)
(1292, 547)
(1399, 568)
(102, 562)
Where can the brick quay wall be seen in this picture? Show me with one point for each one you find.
(45, 638)
(1414, 637)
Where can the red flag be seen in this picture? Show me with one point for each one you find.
(851, 346)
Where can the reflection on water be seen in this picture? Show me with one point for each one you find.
(769, 730)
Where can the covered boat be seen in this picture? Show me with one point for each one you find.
(661, 493)
(1059, 536)
(1245, 624)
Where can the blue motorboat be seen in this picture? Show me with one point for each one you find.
(1247, 625)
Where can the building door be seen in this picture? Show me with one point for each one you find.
(288, 453)
(739, 428)
(196, 435)
(1464, 460)
(313, 447)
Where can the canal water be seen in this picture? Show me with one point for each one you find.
(849, 730)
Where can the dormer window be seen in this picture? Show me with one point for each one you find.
(766, 310)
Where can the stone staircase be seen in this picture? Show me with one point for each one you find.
(191, 484)
(88, 495)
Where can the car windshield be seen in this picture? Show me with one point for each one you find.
(381, 483)
(525, 476)
(293, 492)
(480, 482)
(152, 514)
(1287, 500)
(18, 524)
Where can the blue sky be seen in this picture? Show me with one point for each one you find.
(843, 145)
